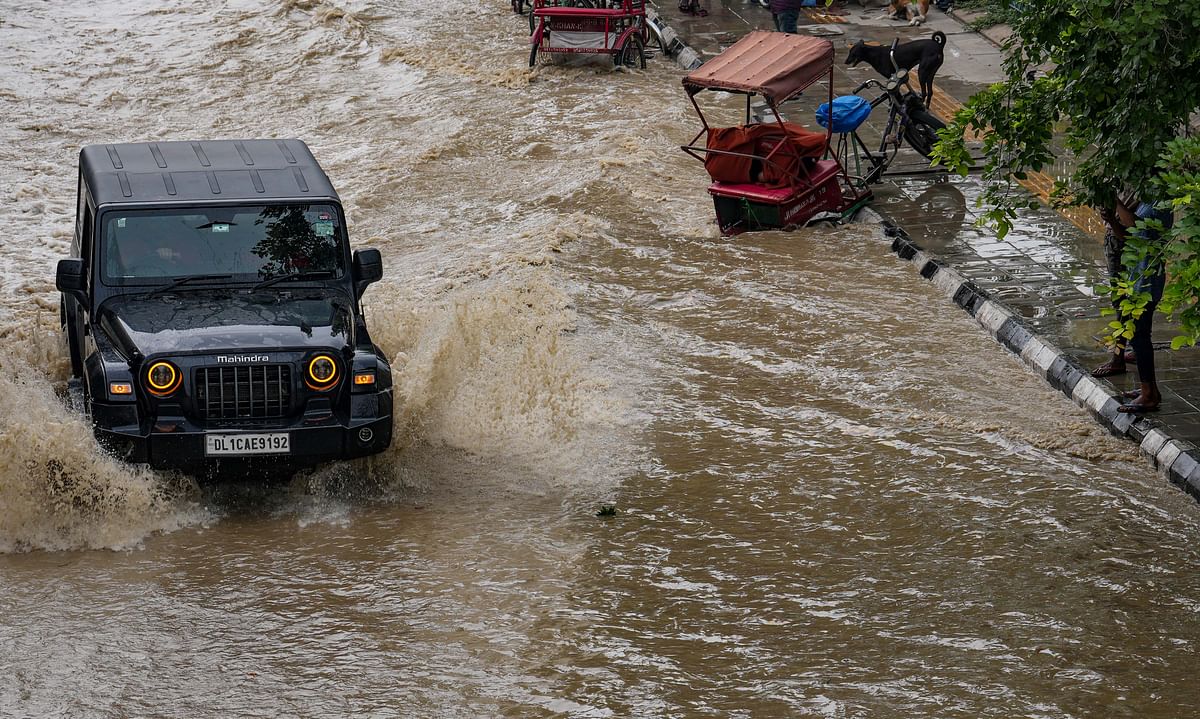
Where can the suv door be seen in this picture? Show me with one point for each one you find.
(74, 316)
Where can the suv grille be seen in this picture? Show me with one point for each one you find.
(245, 392)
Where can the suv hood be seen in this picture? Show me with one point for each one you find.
(226, 321)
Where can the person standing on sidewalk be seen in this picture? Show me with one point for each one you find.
(785, 13)
(1149, 276)
(1117, 222)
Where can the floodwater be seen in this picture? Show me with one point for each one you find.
(836, 496)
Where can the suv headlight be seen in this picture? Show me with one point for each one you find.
(322, 373)
(163, 378)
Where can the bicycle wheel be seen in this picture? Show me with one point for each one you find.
(921, 131)
(632, 55)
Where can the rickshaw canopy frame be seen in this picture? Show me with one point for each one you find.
(776, 65)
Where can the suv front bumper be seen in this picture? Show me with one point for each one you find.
(180, 445)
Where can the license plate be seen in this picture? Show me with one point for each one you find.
(244, 444)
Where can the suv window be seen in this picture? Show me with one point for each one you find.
(146, 247)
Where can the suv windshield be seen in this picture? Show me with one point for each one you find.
(152, 247)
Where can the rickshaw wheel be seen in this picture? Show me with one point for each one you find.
(532, 21)
(533, 55)
(632, 54)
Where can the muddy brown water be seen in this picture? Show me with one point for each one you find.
(836, 496)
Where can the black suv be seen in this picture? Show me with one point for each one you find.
(212, 308)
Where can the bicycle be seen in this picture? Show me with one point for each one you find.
(908, 121)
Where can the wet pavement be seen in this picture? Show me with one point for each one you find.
(1041, 276)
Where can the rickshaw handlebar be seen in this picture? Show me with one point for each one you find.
(869, 83)
(882, 86)
(877, 101)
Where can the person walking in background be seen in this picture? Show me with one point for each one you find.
(786, 13)
(1149, 276)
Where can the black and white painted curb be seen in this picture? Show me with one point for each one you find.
(672, 44)
(1178, 459)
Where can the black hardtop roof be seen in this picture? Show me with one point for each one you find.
(208, 171)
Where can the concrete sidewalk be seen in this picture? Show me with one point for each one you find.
(1033, 289)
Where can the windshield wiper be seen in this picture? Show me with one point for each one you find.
(176, 282)
(313, 275)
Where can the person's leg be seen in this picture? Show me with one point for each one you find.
(1116, 362)
(787, 20)
(1148, 397)
(1114, 244)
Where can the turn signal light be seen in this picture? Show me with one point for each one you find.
(120, 388)
(163, 378)
(364, 378)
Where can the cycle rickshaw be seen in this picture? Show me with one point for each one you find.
(613, 27)
(770, 174)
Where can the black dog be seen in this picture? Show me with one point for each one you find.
(927, 55)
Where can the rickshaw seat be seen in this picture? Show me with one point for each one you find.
(822, 171)
(759, 140)
(765, 144)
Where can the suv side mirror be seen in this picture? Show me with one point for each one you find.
(71, 279)
(368, 268)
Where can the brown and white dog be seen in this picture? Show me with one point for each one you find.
(912, 10)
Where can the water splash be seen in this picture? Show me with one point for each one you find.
(58, 490)
(493, 368)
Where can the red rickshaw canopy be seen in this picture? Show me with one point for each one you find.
(775, 65)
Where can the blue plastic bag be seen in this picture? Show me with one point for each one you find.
(849, 111)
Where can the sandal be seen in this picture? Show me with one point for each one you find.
(1135, 408)
(1109, 369)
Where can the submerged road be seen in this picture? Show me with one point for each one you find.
(821, 508)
